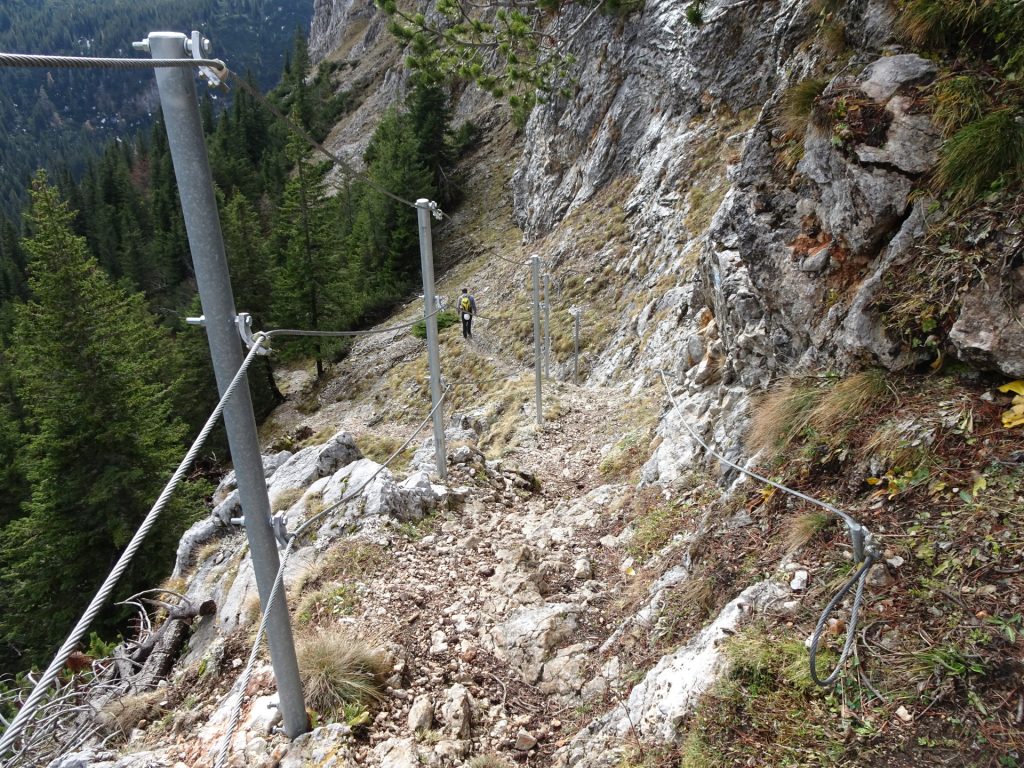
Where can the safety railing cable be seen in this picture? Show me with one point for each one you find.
(243, 684)
(332, 334)
(36, 61)
(26, 712)
(864, 551)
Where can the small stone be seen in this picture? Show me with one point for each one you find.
(421, 715)
(486, 570)
(799, 581)
(525, 741)
(895, 562)
(903, 714)
(880, 578)
(582, 569)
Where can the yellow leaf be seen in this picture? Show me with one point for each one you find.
(1011, 419)
(873, 480)
(1014, 386)
(980, 484)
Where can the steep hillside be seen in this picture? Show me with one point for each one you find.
(760, 272)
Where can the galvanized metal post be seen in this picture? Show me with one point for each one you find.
(199, 205)
(535, 259)
(547, 325)
(423, 212)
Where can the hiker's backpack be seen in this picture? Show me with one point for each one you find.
(465, 304)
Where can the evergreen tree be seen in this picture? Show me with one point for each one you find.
(249, 264)
(12, 482)
(91, 370)
(308, 260)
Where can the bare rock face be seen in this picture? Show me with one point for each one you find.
(988, 332)
(658, 704)
(334, 20)
(882, 78)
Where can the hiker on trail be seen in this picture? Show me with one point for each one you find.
(467, 308)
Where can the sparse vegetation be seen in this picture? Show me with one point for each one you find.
(656, 528)
(445, 319)
(797, 106)
(959, 100)
(379, 447)
(286, 499)
(802, 528)
(488, 761)
(123, 715)
(326, 603)
(984, 154)
(768, 689)
(340, 669)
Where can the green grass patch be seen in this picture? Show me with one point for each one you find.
(984, 155)
(445, 319)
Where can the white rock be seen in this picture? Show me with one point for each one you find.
(421, 714)
(799, 581)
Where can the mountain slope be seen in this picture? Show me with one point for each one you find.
(602, 592)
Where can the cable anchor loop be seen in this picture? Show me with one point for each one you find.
(243, 322)
(200, 47)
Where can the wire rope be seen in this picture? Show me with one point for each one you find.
(859, 578)
(855, 529)
(236, 712)
(331, 334)
(28, 61)
(28, 709)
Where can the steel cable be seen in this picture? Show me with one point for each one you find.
(28, 709)
(859, 578)
(28, 60)
(331, 334)
(236, 712)
(855, 529)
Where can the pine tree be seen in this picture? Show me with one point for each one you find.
(12, 482)
(308, 258)
(90, 369)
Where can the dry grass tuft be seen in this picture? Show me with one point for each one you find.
(787, 411)
(780, 416)
(849, 399)
(121, 716)
(797, 106)
(800, 530)
(339, 669)
(286, 499)
(487, 761)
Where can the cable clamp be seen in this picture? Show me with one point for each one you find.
(243, 322)
(200, 48)
(863, 542)
(280, 526)
(435, 209)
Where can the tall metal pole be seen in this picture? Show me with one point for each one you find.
(535, 259)
(427, 265)
(199, 205)
(547, 325)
